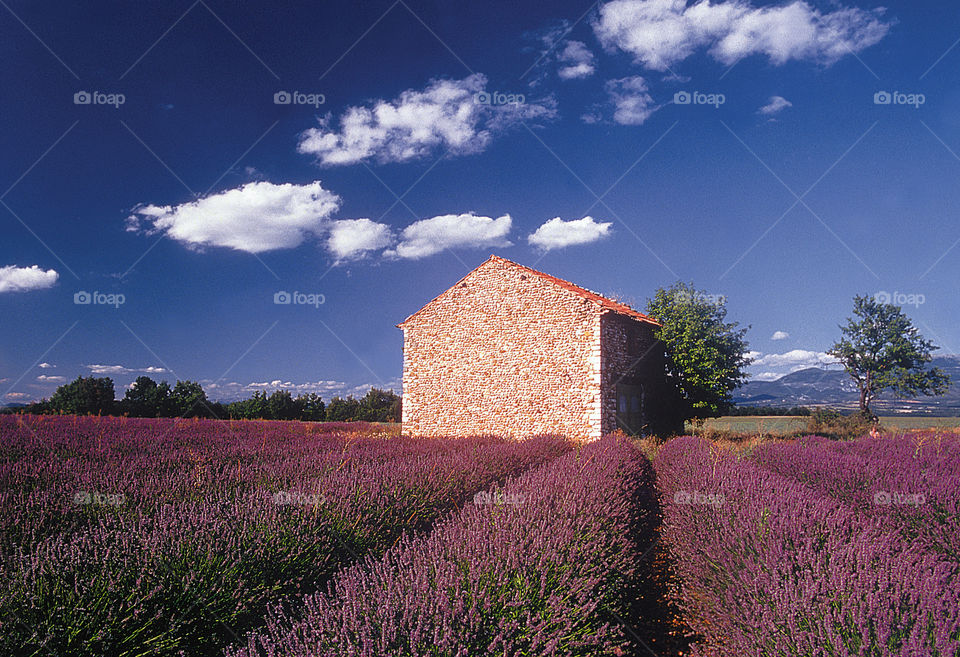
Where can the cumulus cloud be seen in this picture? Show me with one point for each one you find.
(557, 233)
(45, 366)
(457, 116)
(660, 33)
(576, 61)
(775, 105)
(255, 217)
(51, 379)
(353, 238)
(429, 236)
(779, 335)
(796, 359)
(26, 279)
(231, 390)
(120, 369)
(631, 102)
(767, 376)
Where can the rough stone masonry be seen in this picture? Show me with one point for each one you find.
(511, 351)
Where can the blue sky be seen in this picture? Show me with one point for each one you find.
(179, 165)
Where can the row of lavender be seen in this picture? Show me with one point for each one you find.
(539, 567)
(136, 537)
(911, 482)
(772, 565)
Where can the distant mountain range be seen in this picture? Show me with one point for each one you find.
(819, 387)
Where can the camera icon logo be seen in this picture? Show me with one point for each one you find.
(282, 298)
(82, 298)
(82, 98)
(882, 498)
(882, 297)
(882, 98)
(282, 98)
(682, 98)
(482, 98)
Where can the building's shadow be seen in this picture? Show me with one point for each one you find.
(655, 625)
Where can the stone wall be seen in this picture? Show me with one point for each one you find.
(503, 352)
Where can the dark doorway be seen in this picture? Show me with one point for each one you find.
(630, 409)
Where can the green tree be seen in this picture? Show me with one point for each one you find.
(311, 407)
(147, 398)
(882, 349)
(281, 406)
(705, 354)
(189, 399)
(343, 410)
(379, 406)
(90, 395)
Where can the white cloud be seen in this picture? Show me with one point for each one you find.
(796, 359)
(660, 33)
(51, 379)
(632, 104)
(767, 376)
(557, 233)
(576, 61)
(45, 366)
(120, 369)
(449, 115)
(255, 217)
(232, 390)
(429, 236)
(26, 279)
(779, 335)
(352, 238)
(775, 105)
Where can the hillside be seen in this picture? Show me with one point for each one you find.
(818, 387)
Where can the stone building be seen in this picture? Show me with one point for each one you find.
(512, 351)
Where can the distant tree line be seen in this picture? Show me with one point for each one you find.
(147, 398)
(769, 410)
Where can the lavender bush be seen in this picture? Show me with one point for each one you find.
(913, 482)
(771, 566)
(534, 568)
(152, 537)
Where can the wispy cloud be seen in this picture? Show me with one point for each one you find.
(459, 117)
(661, 33)
(120, 369)
(775, 105)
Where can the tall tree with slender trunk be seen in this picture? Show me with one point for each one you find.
(881, 349)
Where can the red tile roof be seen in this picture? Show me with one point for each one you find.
(607, 304)
(604, 302)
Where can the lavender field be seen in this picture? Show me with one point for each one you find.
(284, 539)
(816, 547)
